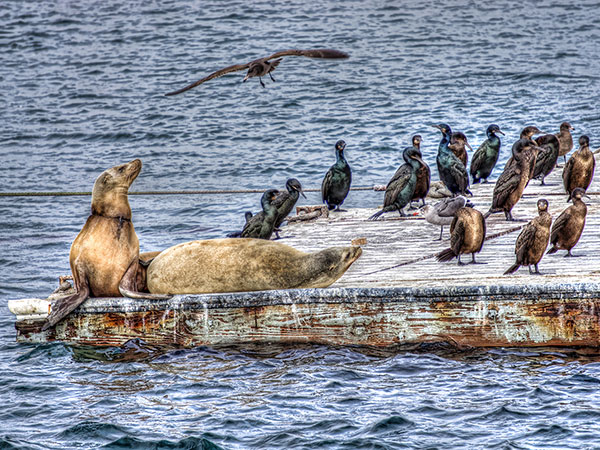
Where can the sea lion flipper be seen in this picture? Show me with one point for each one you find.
(63, 306)
(143, 295)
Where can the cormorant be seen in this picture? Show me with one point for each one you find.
(467, 233)
(285, 202)
(533, 240)
(527, 133)
(546, 157)
(401, 187)
(237, 234)
(579, 170)
(565, 139)
(511, 183)
(261, 225)
(458, 144)
(485, 158)
(451, 170)
(423, 174)
(264, 66)
(336, 183)
(442, 213)
(567, 228)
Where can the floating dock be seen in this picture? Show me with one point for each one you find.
(395, 293)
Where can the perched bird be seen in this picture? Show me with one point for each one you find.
(511, 183)
(261, 225)
(533, 240)
(264, 66)
(336, 184)
(485, 158)
(237, 234)
(567, 228)
(285, 202)
(527, 133)
(452, 171)
(401, 187)
(423, 174)
(579, 170)
(442, 213)
(467, 233)
(565, 139)
(547, 156)
(458, 144)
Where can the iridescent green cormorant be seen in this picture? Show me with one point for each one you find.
(458, 144)
(567, 228)
(511, 183)
(533, 240)
(401, 187)
(565, 139)
(485, 158)
(264, 66)
(261, 225)
(579, 170)
(336, 183)
(547, 156)
(237, 234)
(285, 202)
(451, 170)
(467, 233)
(423, 174)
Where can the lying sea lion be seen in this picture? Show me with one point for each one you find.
(238, 265)
(104, 255)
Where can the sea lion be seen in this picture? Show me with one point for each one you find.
(239, 265)
(104, 255)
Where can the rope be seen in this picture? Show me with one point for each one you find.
(205, 192)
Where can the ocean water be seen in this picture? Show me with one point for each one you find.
(83, 87)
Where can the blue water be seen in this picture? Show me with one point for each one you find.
(82, 90)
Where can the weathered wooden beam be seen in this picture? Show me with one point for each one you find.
(491, 316)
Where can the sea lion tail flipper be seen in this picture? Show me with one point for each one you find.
(142, 295)
(63, 306)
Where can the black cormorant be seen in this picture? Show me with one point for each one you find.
(401, 187)
(547, 156)
(485, 158)
(338, 178)
(423, 174)
(261, 225)
(451, 170)
(285, 202)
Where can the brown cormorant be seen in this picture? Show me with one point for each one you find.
(547, 156)
(423, 174)
(565, 139)
(401, 187)
(264, 66)
(451, 170)
(285, 202)
(336, 184)
(442, 213)
(458, 144)
(511, 183)
(527, 133)
(467, 233)
(579, 170)
(261, 225)
(485, 158)
(533, 240)
(567, 228)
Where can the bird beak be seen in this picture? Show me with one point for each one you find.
(436, 126)
(469, 145)
(245, 78)
(302, 193)
(500, 132)
(571, 128)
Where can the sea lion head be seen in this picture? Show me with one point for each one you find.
(109, 196)
(331, 263)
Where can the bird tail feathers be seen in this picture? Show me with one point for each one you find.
(512, 269)
(445, 255)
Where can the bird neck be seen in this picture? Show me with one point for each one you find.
(339, 158)
(443, 148)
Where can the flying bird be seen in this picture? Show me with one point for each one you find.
(264, 66)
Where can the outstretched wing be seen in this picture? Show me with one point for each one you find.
(312, 53)
(218, 73)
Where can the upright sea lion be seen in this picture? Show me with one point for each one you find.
(104, 255)
(238, 265)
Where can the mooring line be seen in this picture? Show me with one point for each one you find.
(198, 192)
(424, 257)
